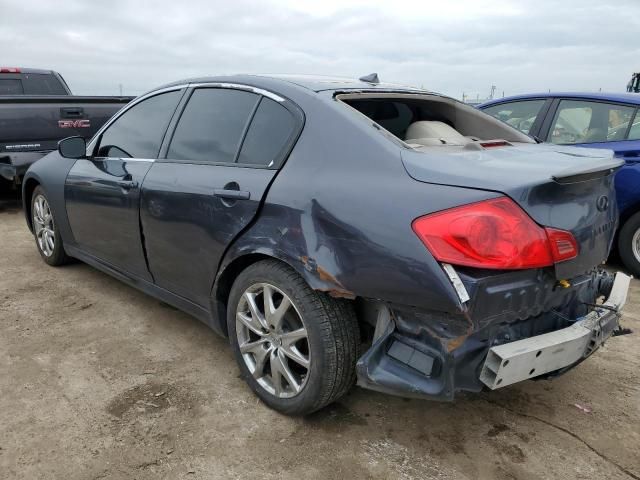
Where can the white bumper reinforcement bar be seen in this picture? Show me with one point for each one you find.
(523, 359)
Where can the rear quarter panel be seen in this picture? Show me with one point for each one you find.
(340, 213)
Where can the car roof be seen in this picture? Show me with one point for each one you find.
(39, 71)
(632, 98)
(319, 83)
(315, 83)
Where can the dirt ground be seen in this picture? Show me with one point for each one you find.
(98, 380)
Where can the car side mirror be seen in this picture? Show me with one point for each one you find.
(73, 147)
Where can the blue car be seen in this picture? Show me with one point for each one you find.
(594, 120)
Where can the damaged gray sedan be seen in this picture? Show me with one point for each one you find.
(337, 230)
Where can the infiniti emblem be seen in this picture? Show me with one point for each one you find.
(602, 203)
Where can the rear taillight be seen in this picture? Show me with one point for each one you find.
(495, 234)
(563, 244)
(9, 70)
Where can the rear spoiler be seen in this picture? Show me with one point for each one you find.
(602, 169)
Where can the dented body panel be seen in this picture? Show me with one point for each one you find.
(339, 210)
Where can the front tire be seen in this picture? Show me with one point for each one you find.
(45, 230)
(296, 348)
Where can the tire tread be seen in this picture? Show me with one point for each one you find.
(340, 334)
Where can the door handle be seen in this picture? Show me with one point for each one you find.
(231, 194)
(128, 184)
(71, 112)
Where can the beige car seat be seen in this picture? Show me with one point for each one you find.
(432, 132)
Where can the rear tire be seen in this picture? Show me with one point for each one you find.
(629, 244)
(45, 230)
(326, 330)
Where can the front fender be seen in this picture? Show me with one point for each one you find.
(50, 173)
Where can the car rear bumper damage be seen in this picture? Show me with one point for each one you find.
(429, 355)
(530, 357)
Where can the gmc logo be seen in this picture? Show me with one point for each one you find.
(74, 123)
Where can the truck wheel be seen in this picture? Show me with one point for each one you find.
(296, 348)
(45, 230)
(629, 244)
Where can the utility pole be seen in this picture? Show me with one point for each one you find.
(120, 85)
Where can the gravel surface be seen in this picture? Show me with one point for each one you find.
(98, 380)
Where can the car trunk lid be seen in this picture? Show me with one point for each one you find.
(561, 187)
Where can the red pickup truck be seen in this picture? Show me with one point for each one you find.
(37, 110)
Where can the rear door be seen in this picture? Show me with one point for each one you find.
(222, 155)
(102, 192)
(595, 124)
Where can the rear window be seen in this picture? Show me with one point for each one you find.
(422, 120)
(42, 84)
(394, 116)
(11, 86)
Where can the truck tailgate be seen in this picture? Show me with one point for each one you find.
(37, 123)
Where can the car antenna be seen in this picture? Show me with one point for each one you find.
(371, 78)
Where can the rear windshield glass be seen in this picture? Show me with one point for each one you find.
(10, 86)
(431, 120)
(43, 84)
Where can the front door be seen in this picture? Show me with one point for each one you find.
(103, 192)
(224, 152)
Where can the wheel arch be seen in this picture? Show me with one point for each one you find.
(28, 188)
(625, 216)
(233, 265)
(629, 212)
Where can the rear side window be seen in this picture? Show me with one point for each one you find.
(42, 84)
(138, 132)
(271, 129)
(212, 124)
(579, 121)
(520, 115)
(11, 86)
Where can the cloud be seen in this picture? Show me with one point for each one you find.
(451, 47)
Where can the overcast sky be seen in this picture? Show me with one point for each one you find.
(444, 45)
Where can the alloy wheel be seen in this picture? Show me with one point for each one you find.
(273, 340)
(43, 225)
(635, 245)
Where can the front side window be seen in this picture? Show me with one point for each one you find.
(270, 131)
(212, 125)
(520, 115)
(138, 132)
(579, 121)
